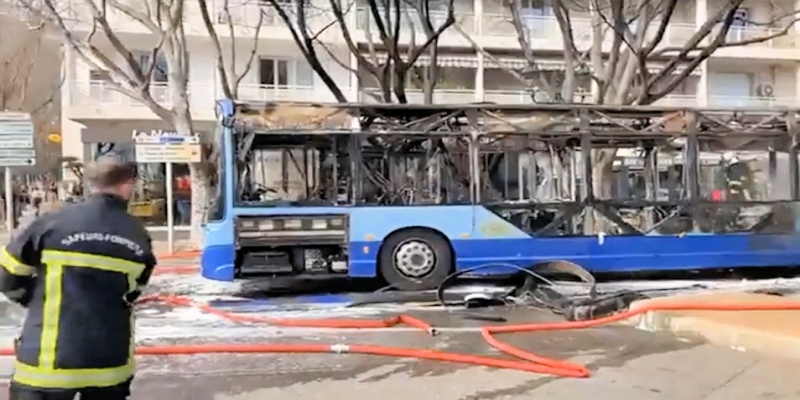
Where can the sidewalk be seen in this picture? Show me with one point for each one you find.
(773, 333)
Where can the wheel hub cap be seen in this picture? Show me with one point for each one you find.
(414, 259)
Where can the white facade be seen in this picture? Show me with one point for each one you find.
(762, 74)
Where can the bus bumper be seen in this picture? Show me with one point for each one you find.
(217, 263)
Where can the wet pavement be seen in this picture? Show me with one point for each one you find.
(626, 363)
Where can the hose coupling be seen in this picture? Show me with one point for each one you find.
(340, 348)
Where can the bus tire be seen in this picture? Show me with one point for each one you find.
(415, 259)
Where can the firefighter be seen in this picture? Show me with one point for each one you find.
(78, 271)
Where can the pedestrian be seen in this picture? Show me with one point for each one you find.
(78, 271)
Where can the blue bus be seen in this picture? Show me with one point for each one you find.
(411, 193)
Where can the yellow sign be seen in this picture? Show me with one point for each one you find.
(54, 138)
(171, 153)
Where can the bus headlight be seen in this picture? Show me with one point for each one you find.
(319, 224)
(266, 225)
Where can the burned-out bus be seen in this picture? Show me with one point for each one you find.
(412, 193)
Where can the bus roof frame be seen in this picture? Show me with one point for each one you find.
(603, 123)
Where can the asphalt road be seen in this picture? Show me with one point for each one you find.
(627, 363)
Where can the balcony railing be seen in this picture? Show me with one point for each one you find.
(246, 13)
(257, 92)
(464, 96)
(752, 101)
(105, 94)
(443, 96)
(102, 93)
(742, 34)
(547, 28)
(240, 14)
(410, 18)
(543, 27)
(677, 100)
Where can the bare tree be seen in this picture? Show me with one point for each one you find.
(392, 20)
(625, 39)
(88, 31)
(228, 46)
(30, 82)
(226, 49)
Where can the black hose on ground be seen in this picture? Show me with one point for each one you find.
(539, 292)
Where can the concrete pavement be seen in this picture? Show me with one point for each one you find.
(713, 356)
(627, 364)
(645, 368)
(774, 333)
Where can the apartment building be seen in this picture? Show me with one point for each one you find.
(93, 113)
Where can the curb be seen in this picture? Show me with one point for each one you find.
(740, 338)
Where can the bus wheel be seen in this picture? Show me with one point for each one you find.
(415, 259)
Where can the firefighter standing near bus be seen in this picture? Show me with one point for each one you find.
(78, 271)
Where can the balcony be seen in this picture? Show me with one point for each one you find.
(444, 96)
(255, 92)
(411, 19)
(102, 100)
(752, 102)
(545, 32)
(465, 96)
(677, 100)
(244, 18)
(740, 34)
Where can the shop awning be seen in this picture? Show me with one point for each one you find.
(514, 63)
(121, 131)
(453, 61)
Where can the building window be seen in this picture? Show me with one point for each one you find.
(99, 75)
(278, 72)
(273, 72)
(537, 8)
(304, 73)
(160, 70)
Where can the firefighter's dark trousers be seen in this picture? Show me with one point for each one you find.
(119, 392)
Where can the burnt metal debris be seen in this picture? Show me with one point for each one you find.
(551, 170)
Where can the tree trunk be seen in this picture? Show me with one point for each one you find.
(200, 183)
(201, 192)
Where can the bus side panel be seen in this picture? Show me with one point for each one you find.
(369, 226)
(219, 251)
(495, 242)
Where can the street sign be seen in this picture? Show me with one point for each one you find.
(17, 162)
(165, 147)
(17, 153)
(17, 147)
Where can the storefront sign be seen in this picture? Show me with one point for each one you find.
(158, 136)
(163, 146)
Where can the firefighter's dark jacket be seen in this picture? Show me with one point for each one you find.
(77, 271)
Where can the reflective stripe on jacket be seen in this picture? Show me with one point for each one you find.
(80, 265)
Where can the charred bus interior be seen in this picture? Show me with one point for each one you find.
(549, 170)
(645, 173)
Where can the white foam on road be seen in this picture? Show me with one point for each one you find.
(192, 285)
(682, 286)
